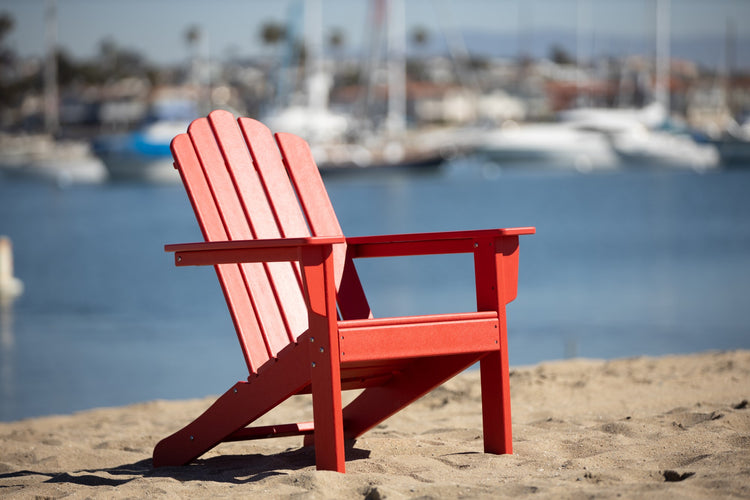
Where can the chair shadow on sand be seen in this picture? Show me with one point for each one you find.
(230, 469)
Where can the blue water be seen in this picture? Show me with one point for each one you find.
(629, 263)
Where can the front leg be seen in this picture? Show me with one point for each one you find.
(325, 369)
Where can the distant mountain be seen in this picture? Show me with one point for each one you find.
(707, 51)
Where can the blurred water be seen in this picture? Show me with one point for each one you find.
(623, 264)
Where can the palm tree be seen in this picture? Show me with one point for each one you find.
(336, 39)
(193, 37)
(420, 36)
(272, 33)
(7, 90)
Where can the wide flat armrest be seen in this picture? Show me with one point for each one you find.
(242, 251)
(252, 244)
(392, 245)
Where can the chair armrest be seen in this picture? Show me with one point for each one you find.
(244, 251)
(394, 245)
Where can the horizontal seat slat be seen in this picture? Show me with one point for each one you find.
(407, 320)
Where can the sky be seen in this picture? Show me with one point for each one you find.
(156, 28)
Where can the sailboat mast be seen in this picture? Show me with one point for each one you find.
(583, 12)
(663, 15)
(51, 109)
(396, 118)
(318, 84)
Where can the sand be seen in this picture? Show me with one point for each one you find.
(667, 427)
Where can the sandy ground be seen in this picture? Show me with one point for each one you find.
(668, 427)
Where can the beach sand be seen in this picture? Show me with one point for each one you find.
(666, 427)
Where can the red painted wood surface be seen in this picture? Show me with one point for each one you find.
(235, 409)
(287, 271)
(325, 369)
(322, 221)
(230, 276)
(270, 431)
(495, 263)
(258, 211)
(417, 339)
(224, 252)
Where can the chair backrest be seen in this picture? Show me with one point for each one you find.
(245, 184)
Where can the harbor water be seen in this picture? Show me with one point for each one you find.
(625, 263)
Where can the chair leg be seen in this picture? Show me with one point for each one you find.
(235, 409)
(375, 404)
(228, 414)
(325, 370)
(325, 374)
(329, 428)
(498, 434)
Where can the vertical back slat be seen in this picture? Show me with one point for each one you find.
(309, 185)
(230, 277)
(317, 207)
(237, 227)
(283, 276)
(271, 168)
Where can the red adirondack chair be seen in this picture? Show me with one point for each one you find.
(299, 309)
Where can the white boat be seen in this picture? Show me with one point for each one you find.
(41, 156)
(142, 155)
(554, 145)
(646, 136)
(615, 119)
(643, 137)
(639, 146)
(413, 148)
(734, 145)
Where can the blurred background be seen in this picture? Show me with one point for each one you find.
(618, 128)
